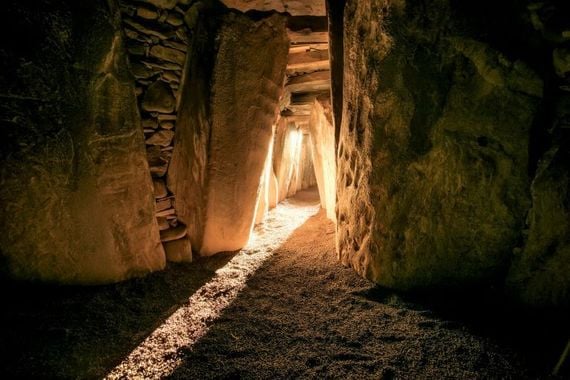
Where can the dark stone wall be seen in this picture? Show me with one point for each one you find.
(76, 196)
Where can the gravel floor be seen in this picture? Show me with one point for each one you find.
(281, 308)
(303, 315)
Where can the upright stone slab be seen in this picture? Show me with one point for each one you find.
(432, 159)
(307, 176)
(218, 161)
(324, 157)
(76, 194)
(286, 157)
(266, 193)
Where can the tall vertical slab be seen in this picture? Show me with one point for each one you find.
(77, 198)
(324, 157)
(220, 151)
(433, 149)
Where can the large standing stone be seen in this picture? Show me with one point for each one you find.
(76, 194)
(238, 136)
(285, 159)
(432, 159)
(216, 189)
(324, 157)
(307, 177)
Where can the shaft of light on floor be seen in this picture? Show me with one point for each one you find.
(160, 353)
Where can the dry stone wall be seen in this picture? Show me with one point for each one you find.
(157, 41)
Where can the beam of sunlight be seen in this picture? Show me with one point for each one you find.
(159, 354)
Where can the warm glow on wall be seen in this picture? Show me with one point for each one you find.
(295, 142)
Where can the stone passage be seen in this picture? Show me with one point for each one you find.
(157, 42)
(306, 120)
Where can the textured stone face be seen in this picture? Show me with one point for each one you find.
(220, 152)
(159, 98)
(433, 183)
(76, 193)
(168, 54)
(162, 138)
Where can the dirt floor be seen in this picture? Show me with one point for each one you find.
(299, 315)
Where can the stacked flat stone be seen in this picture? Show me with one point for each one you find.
(157, 41)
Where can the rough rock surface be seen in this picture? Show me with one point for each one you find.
(159, 98)
(76, 196)
(218, 162)
(433, 183)
(241, 137)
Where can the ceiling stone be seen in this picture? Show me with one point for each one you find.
(294, 7)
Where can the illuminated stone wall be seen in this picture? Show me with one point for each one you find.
(443, 130)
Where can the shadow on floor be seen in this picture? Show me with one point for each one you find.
(539, 336)
(83, 332)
